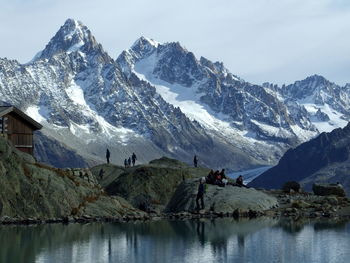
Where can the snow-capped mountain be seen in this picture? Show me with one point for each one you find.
(159, 99)
(261, 119)
(81, 96)
(327, 104)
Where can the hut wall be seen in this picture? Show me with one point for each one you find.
(20, 133)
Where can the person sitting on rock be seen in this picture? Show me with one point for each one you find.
(200, 194)
(218, 179)
(239, 182)
(210, 177)
(222, 173)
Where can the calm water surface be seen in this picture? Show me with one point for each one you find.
(220, 240)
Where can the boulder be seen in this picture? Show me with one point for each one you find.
(291, 186)
(328, 189)
(220, 199)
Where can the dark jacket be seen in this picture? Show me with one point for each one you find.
(201, 189)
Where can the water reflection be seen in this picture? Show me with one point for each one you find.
(220, 240)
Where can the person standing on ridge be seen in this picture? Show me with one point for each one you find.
(126, 163)
(195, 161)
(129, 162)
(108, 155)
(134, 158)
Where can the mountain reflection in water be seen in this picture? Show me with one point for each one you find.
(220, 240)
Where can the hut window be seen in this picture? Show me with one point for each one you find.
(3, 124)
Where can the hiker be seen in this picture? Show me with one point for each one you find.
(200, 194)
(108, 154)
(239, 182)
(133, 158)
(126, 163)
(101, 173)
(129, 162)
(195, 161)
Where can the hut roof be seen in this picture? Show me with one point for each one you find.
(8, 109)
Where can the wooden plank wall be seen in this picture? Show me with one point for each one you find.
(20, 133)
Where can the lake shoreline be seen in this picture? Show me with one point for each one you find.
(291, 206)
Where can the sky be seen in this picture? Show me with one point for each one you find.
(277, 41)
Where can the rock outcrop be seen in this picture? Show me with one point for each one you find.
(220, 199)
(150, 186)
(33, 190)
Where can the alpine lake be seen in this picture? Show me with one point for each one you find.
(203, 240)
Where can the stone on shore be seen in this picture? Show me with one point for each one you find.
(328, 189)
(220, 199)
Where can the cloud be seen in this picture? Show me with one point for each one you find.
(259, 40)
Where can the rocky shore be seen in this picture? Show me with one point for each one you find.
(309, 205)
(34, 193)
(295, 206)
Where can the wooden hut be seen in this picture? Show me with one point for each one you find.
(18, 127)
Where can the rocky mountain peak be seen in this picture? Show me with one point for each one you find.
(71, 37)
(143, 42)
(316, 80)
(310, 86)
(219, 69)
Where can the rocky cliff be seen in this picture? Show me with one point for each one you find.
(323, 159)
(33, 190)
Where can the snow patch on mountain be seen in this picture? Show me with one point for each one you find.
(272, 131)
(336, 119)
(34, 112)
(187, 99)
(303, 134)
(76, 94)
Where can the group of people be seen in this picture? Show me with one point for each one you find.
(216, 178)
(128, 161)
(219, 178)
